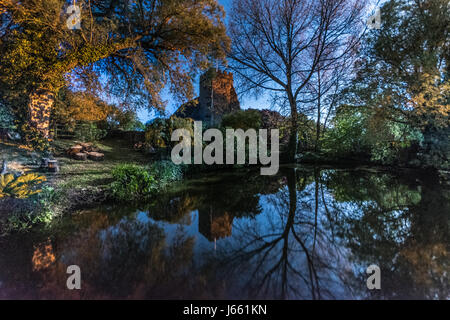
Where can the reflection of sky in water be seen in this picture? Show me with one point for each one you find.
(264, 224)
(340, 226)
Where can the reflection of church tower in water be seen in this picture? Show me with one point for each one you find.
(214, 225)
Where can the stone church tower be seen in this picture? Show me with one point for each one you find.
(217, 97)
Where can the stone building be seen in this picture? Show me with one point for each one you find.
(217, 97)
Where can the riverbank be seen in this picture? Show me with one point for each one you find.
(241, 224)
(78, 184)
(84, 184)
(361, 160)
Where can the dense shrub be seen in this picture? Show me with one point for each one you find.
(89, 131)
(139, 183)
(41, 213)
(348, 135)
(124, 120)
(243, 119)
(165, 172)
(159, 132)
(364, 132)
(132, 183)
(155, 134)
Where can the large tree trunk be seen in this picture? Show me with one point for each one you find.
(319, 111)
(292, 146)
(39, 109)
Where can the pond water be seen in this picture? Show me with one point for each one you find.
(308, 233)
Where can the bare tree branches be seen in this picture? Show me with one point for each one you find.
(281, 45)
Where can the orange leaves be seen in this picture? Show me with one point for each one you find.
(433, 101)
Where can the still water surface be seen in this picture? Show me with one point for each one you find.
(308, 233)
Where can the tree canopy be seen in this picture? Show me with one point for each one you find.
(280, 46)
(403, 72)
(129, 49)
(405, 66)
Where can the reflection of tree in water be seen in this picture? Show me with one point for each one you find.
(218, 204)
(318, 241)
(285, 251)
(129, 258)
(305, 234)
(123, 253)
(401, 226)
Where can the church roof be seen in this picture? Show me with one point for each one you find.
(190, 109)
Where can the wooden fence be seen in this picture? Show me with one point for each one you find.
(63, 131)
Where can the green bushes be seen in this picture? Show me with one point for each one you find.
(42, 214)
(348, 136)
(362, 132)
(132, 183)
(25, 221)
(139, 183)
(166, 172)
(89, 131)
(126, 120)
(158, 133)
(243, 119)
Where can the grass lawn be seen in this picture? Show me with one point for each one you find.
(73, 173)
(78, 184)
(83, 174)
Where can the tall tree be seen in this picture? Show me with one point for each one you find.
(323, 93)
(404, 71)
(280, 45)
(135, 47)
